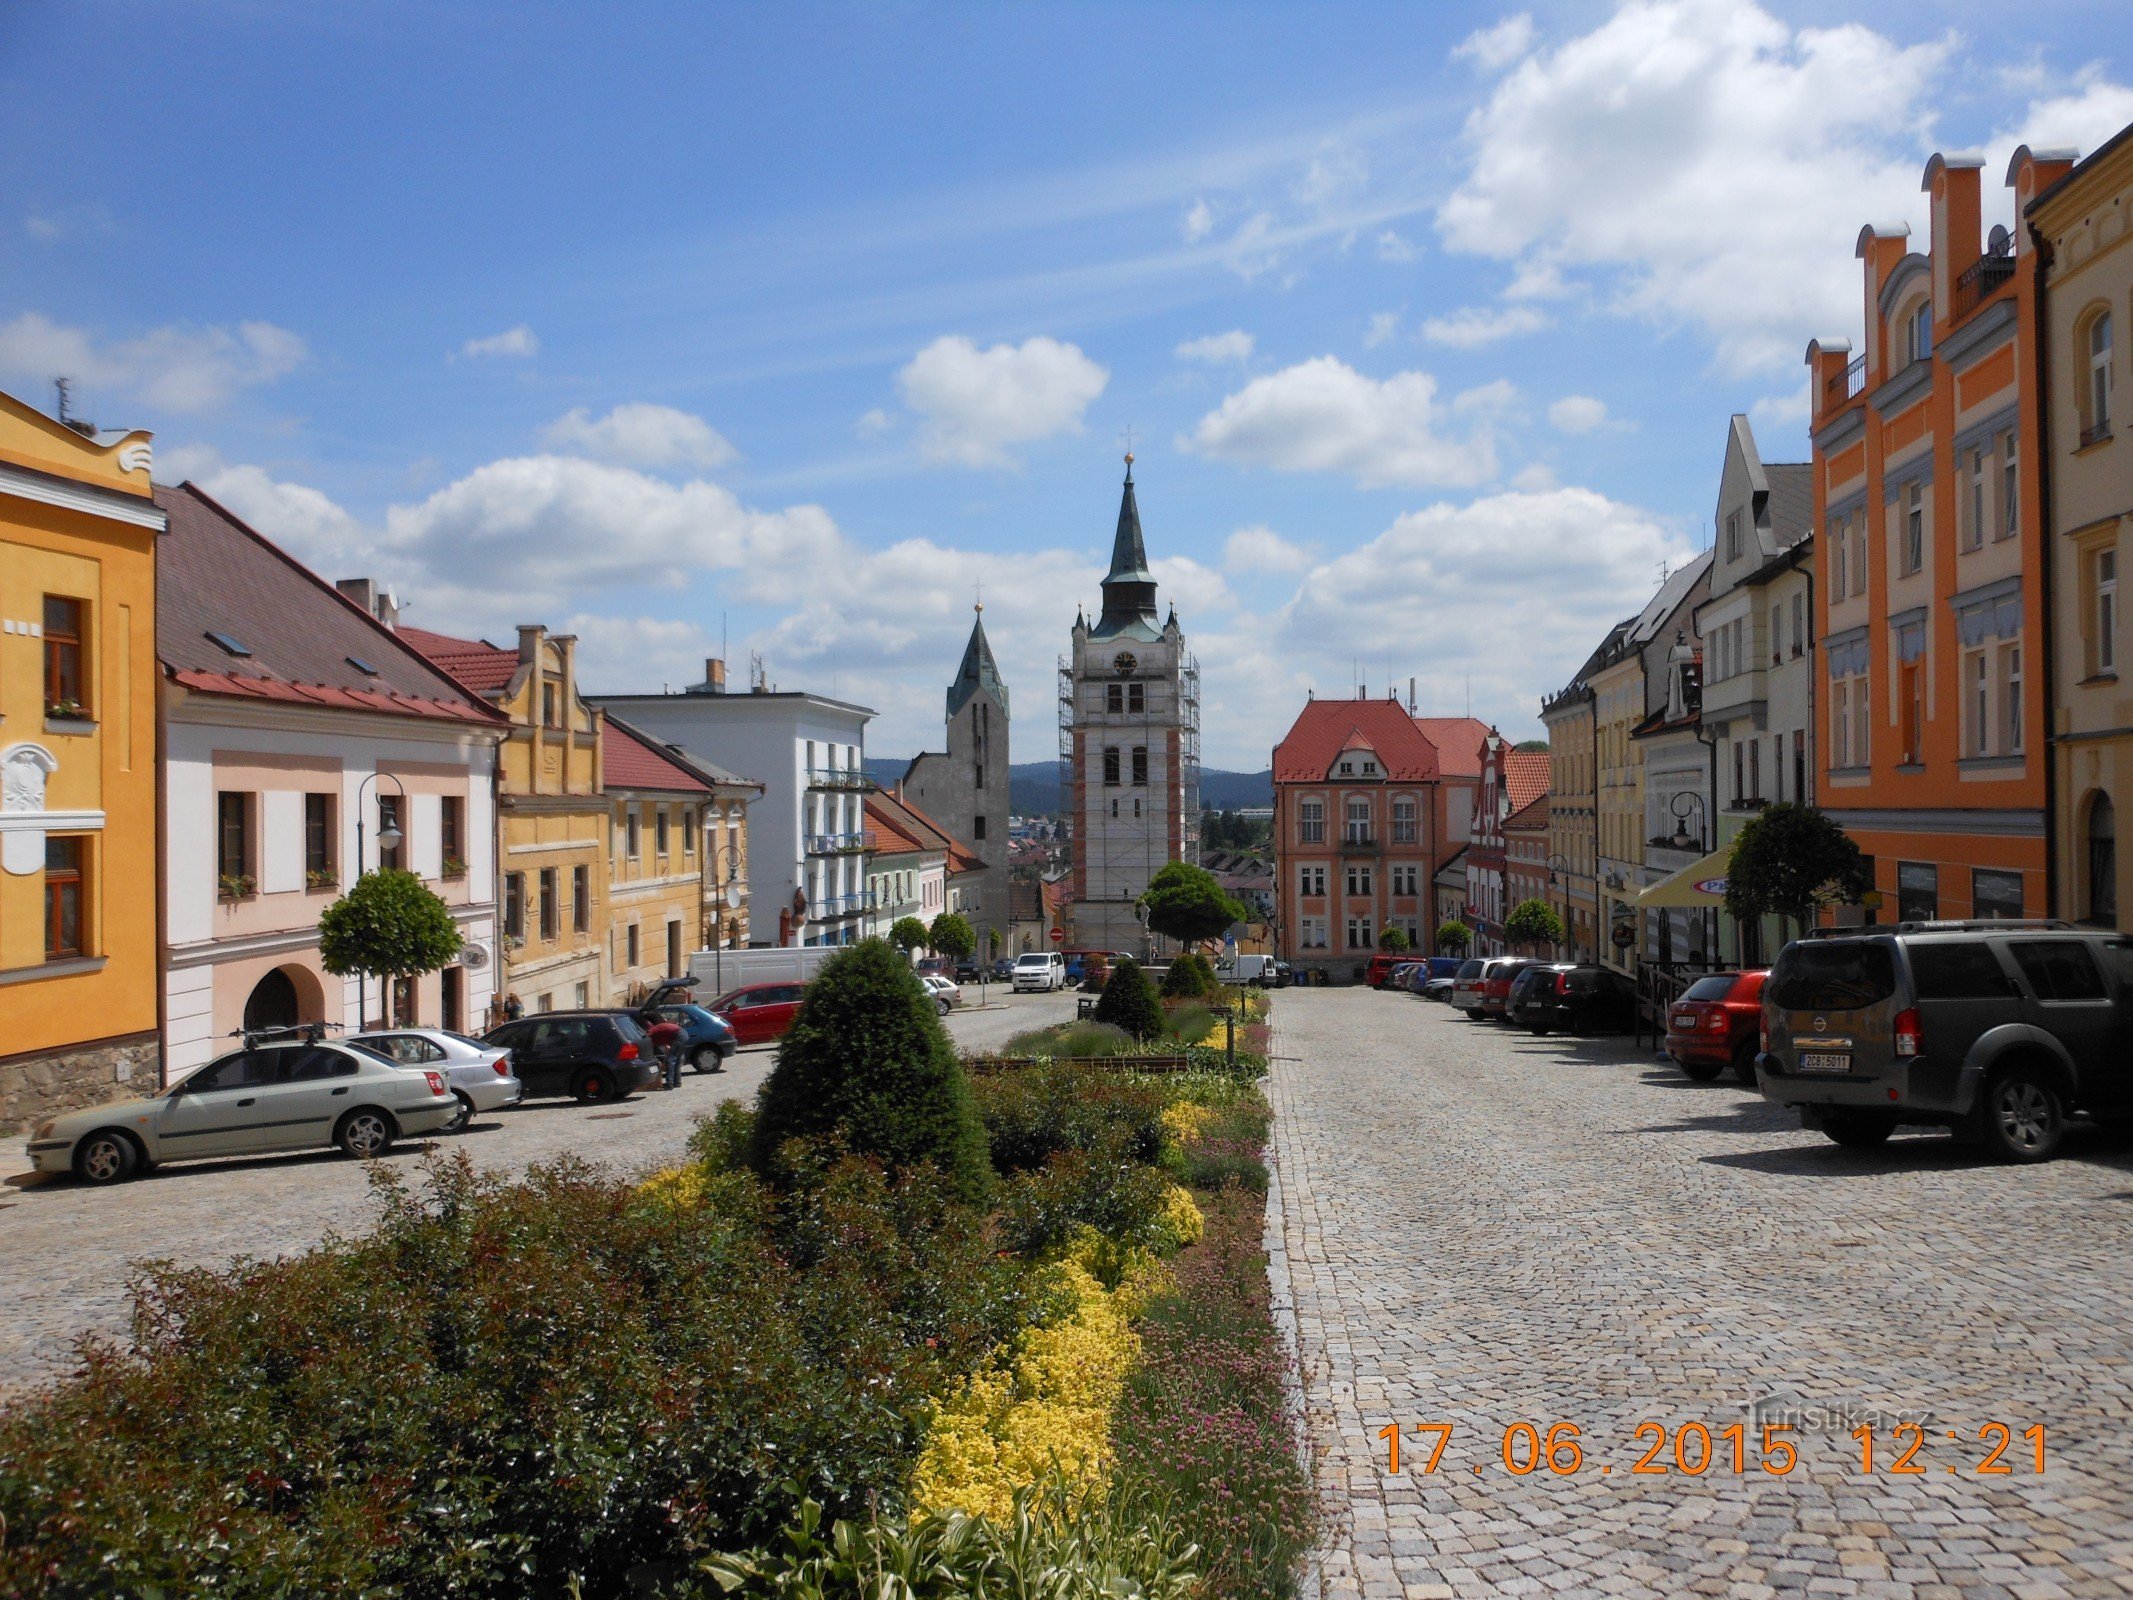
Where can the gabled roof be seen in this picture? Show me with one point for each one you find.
(302, 639)
(1458, 741)
(1533, 814)
(979, 672)
(485, 668)
(630, 759)
(1525, 777)
(1792, 500)
(1324, 728)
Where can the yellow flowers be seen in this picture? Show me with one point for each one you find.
(676, 1187)
(1181, 1217)
(1185, 1121)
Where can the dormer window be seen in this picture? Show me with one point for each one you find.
(1370, 769)
(1920, 330)
(1347, 769)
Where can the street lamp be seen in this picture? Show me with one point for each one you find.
(725, 878)
(389, 837)
(1680, 807)
(1558, 869)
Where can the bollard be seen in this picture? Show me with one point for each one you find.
(1229, 1039)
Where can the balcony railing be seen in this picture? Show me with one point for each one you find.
(836, 844)
(1361, 841)
(838, 778)
(1976, 283)
(1843, 385)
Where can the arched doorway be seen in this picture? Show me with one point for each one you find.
(272, 1002)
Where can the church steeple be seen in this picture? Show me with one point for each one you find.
(1129, 587)
(978, 673)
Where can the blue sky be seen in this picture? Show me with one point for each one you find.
(794, 324)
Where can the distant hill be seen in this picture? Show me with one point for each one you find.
(1033, 786)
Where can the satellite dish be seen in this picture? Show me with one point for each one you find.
(734, 898)
(1999, 241)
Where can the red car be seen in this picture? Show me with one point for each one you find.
(1716, 1024)
(760, 1013)
(1379, 972)
(1496, 986)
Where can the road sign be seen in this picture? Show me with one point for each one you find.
(1059, 936)
(1624, 936)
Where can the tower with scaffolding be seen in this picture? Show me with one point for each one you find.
(1129, 747)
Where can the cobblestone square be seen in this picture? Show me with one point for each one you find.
(1482, 1228)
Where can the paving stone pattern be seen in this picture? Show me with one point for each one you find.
(1484, 1228)
(66, 1249)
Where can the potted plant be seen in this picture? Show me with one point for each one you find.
(237, 885)
(66, 711)
(454, 867)
(321, 878)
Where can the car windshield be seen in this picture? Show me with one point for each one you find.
(1470, 969)
(1836, 975)
(370, 1050)
(1715, 987)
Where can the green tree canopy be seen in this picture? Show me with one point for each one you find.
(868, 1063)
(951, 935)
(1129, 1001)
(1394, 939)
(1186, 903)
(1789, 859)
(388, 925)
(908, 934)
(1454, 937)
(1533, 922)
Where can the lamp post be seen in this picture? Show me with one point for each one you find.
(389, 837)
(1558, 868)
(725, 878)
(1680, 806)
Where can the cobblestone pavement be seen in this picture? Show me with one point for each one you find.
(66, 1249)
(1483, 1228)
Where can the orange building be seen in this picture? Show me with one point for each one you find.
(1930, 528)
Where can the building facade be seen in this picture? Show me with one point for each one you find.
(1673, 753)
(659, 869)
(1525, 858)
(1130, 698)
(1573, 807)
(966, 787)
(2079, 231)
(1928, 512)
(78, 753)
(304, 745)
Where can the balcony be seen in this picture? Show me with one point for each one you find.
(1361, 844)
(1978, 282)
(843, 778)
(1844, 385)
(836, 844)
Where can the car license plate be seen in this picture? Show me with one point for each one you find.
(1684, 1022)
(1825, 1061)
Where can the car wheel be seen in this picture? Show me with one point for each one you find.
(1539, 1030)
(365, 1133)
(1702, 1071)
(704, 1058)
(593, 1086)
(461, 1117)
(1744, 1064)
(943, 1005)
(2023, 1116)
(1858, 1130)
(105, 1157)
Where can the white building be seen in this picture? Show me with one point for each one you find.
(807, 841)
(1130, 698)
(297, 732)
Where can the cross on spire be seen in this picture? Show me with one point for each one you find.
(1127, 435)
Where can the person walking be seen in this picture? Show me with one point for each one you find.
(665, 1035)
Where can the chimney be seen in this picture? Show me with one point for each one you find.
(714, 675)
(529, 643)
(2029, 174)
(1951, 187)
(1827, 360)
(382, 604)
(1881, 248)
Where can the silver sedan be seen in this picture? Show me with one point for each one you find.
(479, 1074)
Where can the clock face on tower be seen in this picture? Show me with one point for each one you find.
(1123, 663)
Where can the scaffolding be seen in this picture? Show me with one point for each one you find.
(1189, 757)
(1066, 757)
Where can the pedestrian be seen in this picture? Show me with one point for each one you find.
(513, 1008)
(666, 1039)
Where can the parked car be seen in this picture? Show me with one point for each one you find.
(1999, 1030)
(1577, 996)
(1496, 980)
(761, 1012)
(479, 1075)
(1039, 971)
(1003, 969)
(938, 966)
(1466, 987)
(969, 970)
(1248, 968)
(1716, 1024)
(1282, 977)
(592, 1056)
(945, 994)
(1378, 974)
(707, 1041)
(1433, 976)
(293, 1093)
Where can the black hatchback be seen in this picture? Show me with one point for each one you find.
(1579, 997)
(588, 1055)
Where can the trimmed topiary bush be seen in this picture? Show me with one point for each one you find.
(867, 1067)
(1129, 1001)
(1191, 977)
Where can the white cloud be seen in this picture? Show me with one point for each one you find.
(1236, 345)
(1493, 49)
(518, 341)
(641, 435)
(1336, 172)
(977, 402)
(1324, 416)
(1578, 413)
(1197, 222)
(874, 423)
(2095, 110)
(1534, 477)
(1392, 247)
(1259, 549)
(173, 368)
(1383, 325)
(1470, 326)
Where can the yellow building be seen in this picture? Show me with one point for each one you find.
(2084, 226)
(658, 863)
(1617, 708)
(555, 816)
(1573, 811)
(78, 529)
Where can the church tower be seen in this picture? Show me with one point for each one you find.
(1129, 748)
(965, 789)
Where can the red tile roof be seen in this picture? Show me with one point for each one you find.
(901, 816)
(1324, 728)
(1525, 776)
(632, 760)
(481, 666)
(302, 638)
(1533, 814)
(1458, 741)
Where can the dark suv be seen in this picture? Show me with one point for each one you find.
(588, 1055)
(1998, 1030)
(1578, 996)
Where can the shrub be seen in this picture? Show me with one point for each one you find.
(1103, 1188)
(1129, 1001)
(951, 935)
(1188, 1024)
(908, 934)
(1190, 977)
(1454, 937)
(1033, 1114)
(389, 923)
(1071, 1039)
(867, 1067)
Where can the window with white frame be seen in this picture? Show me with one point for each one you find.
(1313, 933)
(1777, 630)
(1977, 702)
(2010, 486)
(1311, 821)
(1914, 526)
(1977, 516)
(1403, 822)
(1921, 340)
(1359, 880)
(1404, 880)
(1799, 624)
(2103, 612)
(2096, 407)
(2010, 675)
(1358, 821)
(1839, 542)
(1859, 553)
(1360, 936)
(1311, 880)
(1840, 722)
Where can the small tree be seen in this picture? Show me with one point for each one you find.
(867, 1062)
(907, 934)
(1533, 922)
(1186, 903)
(1129, 1001)
(1453, 938)
(993, 941)
(951, 935)
(388, 926)
(1190, 977)
(1789, 859)
(1393, 939)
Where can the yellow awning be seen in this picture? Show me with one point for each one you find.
(1701, 883)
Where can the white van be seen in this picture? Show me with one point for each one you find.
(1252, 969)
(1039, 970)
